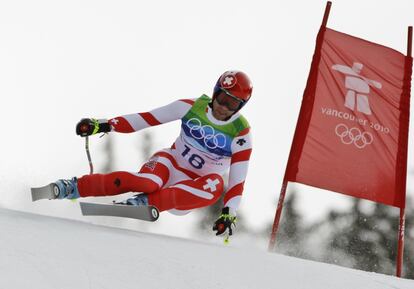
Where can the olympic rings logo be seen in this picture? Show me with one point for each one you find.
(353, 135)
(211, 139)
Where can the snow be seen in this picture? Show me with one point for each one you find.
(47, 252)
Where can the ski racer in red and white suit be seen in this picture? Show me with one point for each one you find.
(214, 139)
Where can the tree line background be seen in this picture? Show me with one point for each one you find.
(363, 237)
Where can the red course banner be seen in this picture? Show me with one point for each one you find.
(354, 139)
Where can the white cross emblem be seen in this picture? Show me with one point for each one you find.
(228, 80)
(115, 121)
(212, 185)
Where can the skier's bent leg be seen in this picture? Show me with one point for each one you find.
(148, 180)
(190, 194)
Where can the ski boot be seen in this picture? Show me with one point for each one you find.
(137, 200)
(66, 189)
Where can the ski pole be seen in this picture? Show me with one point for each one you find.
(226, 240)
(89, 155)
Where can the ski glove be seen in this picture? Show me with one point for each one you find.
(91, 126)
(224, 222)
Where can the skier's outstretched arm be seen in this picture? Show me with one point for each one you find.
(136, 121)
(241, 151)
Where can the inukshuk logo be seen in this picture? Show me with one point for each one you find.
(358, 87)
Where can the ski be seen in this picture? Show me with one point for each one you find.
(145, 213)
(46, 192)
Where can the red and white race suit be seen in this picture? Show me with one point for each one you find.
(189, 174)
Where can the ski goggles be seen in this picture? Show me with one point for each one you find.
(228, 100)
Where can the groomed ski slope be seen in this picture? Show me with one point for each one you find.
(40, 252)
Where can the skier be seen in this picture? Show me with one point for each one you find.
(214, 138)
